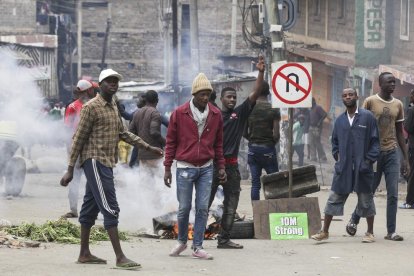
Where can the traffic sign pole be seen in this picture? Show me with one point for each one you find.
(290, 151)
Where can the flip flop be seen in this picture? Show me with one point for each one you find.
(128, 266)
(93, 260)
(69, 215)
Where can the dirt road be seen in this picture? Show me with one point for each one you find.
(43, 199)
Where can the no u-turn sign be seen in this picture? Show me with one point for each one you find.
(292, 84)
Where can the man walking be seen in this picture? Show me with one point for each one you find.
(147, 125)
(96, 144)
(234, 123)
(355, 147)
(409, 128)
(85, 92)
(263, 134)
(389, 114)
(317, 116)
(195, 140)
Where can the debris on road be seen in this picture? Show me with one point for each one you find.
(60, 231)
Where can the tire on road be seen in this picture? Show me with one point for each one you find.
(242, 230)
(15, 175)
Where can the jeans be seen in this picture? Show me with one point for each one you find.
(300, 151)
(315, 144)
(389, 164)
(201, 179)
(410, 182)
(259, 158)
(231, 191)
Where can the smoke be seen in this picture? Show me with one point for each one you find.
(22, 103)
(25, 122)
(142, 196)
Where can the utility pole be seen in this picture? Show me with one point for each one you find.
(195, 55)
(105, 44)
(175, 48)
(79, 37)
(276, 49)
(166, 11)
(233, 27)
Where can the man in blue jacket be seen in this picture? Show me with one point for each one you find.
(355, 147)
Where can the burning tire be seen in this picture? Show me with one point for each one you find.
(242, 230)
(15, 175)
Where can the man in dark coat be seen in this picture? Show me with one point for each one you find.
(355, 147)
(409, 128)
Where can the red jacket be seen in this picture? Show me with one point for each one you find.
(183, 142)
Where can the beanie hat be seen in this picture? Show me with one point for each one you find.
(201, 83)
(84, 85)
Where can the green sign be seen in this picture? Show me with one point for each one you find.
(288, 226)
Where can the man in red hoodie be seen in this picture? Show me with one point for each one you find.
(195, 140)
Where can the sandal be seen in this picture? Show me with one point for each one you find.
(394, 237)
(351, 228)
(70, 215)
(229, 245)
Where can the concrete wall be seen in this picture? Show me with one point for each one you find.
(327, 29)
(341, 29)
(402, 50)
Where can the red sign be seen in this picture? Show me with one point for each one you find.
(282, 79)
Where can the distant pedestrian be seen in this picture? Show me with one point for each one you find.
(147, 125)
(263, 134)
(389, 113)
(195, 140)
(317, 116)
(235, 119)
(355, 147)
(409, 128)
(85, 92)
(298, 143)
(95, 144)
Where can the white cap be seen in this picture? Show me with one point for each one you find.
(84, 85)
(109, 73)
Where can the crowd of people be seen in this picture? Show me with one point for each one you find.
(204, 142)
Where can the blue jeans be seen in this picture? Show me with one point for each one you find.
(389, 164)
(259, 158)
(201, 179)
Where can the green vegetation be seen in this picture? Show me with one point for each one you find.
(60, 231)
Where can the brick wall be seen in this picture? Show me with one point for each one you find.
(136, 46)
(17, 16)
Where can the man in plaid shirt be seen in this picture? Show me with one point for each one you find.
(96, 144)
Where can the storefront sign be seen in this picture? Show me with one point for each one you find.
(374, 24)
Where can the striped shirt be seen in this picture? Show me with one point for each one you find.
(99, 131)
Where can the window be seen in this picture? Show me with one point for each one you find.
(405, 19)
(341, 9)
(316, 7)
(185, 32)
(103, 4)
